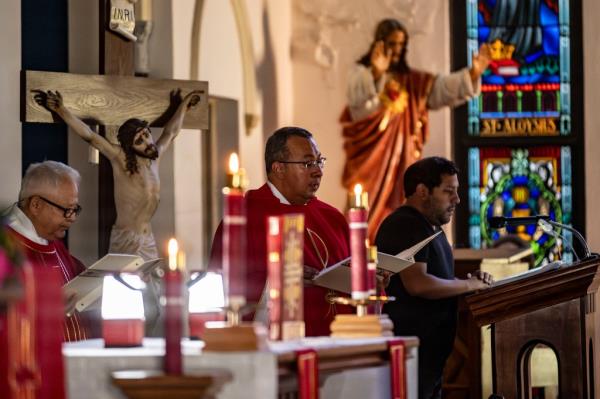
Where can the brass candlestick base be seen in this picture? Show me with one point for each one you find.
(234, 335)
(235, 310)
(148, 384)
(362, 324)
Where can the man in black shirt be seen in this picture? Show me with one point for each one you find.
(426, 293)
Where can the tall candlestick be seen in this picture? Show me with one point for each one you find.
(357, 218)
(173, 312)
(234, 235)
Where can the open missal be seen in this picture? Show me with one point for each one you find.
(338, 277)
(531, 272)
(88, 284)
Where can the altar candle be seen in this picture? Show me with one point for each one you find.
(234, 235)
(173, 312)
(357, 218)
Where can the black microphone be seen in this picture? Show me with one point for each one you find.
(498, 222)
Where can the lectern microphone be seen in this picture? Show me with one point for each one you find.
(497, 222)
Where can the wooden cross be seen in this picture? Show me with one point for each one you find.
(108, 100)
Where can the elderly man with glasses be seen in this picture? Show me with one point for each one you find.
(294, 167)
(47, 207)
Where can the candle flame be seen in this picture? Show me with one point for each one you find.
(173, 249)
(234, 163)
(358, 189)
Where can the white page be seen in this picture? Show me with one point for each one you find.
(88, 285)
(339, 276)
(528, 273)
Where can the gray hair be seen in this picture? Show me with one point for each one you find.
(42, 177)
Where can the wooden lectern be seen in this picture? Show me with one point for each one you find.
(463, 374)
(556, 308)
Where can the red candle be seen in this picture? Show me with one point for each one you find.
(357, 218)
(173, 312)
(234, 235)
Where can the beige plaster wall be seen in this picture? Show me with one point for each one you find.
(10, 126)
(220, 63)
(328, 38)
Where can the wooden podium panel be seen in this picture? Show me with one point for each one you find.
(463, 372)
(556, 308)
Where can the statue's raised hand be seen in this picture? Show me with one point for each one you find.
(380, 59)
(480, 61)
(51, 100)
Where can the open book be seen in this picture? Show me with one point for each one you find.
(88, 285)
(526, 274)
(338, 277)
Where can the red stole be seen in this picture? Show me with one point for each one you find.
(326, 239)
(381, 146)
(54, 255)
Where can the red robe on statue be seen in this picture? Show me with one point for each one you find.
(382, 145)
(326, 242)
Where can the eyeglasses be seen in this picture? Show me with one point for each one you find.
(67, 212)
(317, 163)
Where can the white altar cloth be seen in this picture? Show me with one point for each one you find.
(255, 374)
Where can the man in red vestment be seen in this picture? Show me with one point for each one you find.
(385, 125)
(47, 207)
(294, 169)
(30, 333)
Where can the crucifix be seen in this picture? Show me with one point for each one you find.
(112, 100)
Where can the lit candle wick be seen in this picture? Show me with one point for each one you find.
(357, 195)
(234, 163)
(173, 249)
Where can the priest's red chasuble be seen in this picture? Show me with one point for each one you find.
(54, 255)
(326, 242)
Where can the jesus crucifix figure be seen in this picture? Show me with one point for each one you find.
(135, 170)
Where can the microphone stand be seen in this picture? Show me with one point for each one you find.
(568, 244)
(544, 224)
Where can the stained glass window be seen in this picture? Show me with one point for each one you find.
(521, 182)
(526, 91)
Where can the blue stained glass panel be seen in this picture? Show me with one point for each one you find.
(530, 48)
